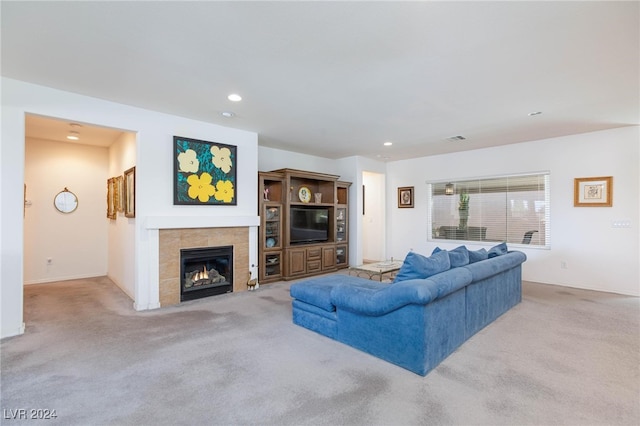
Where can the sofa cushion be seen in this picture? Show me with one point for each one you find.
(459, 256)
(316, 292)
(478, 255)
(418, 266)
(498, 250)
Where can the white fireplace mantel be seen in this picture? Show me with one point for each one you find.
(178, 222)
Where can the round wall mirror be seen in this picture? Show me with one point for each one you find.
(65, 201)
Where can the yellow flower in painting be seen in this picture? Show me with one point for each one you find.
(221, 158)
(200, 187)
(188, 161)
(224, 191)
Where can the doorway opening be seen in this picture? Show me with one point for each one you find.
(83, 242)
(373, 217)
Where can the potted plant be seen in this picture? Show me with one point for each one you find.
(463, 210)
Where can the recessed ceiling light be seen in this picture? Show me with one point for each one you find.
(227, 114)
(531, 114)
(388, 143)
(73, 135)
(234, 97)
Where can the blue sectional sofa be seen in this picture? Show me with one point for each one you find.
(433, 306)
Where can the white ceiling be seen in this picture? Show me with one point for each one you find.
(337, 79)
(52, 129)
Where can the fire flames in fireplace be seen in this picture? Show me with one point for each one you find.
(204, 277)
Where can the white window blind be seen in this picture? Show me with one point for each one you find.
(506, 208)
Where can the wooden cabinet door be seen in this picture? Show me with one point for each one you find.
(328, 257)
(297, 262)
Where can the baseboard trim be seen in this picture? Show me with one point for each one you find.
(69, 278)
(14, 332)
(147, 307)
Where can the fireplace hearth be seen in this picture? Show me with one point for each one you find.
(205, 271)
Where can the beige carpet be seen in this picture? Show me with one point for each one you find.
(561, 357)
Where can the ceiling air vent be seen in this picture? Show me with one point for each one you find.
(456, 138)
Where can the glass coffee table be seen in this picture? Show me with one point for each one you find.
(378, 269)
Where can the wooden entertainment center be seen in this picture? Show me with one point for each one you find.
(303, 224)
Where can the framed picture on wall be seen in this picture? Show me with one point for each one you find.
(204, 173)
(593, 192)
(111, 198)
(130, 192)
(405, 197)
(120, 194)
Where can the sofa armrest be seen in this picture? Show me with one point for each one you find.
(379, 301)
(490, 267)
(387, 298)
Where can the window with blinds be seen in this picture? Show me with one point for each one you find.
(514, 209)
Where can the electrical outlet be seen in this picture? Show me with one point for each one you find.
(563, 264)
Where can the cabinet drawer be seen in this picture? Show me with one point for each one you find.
(313, 265)
(314, 253)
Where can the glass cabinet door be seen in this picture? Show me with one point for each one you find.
(341, 255)
(272, 227)
(273, 265)
(341, 224)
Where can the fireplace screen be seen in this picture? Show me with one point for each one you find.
(206, 271)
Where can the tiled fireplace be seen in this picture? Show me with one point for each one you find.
(172, 241)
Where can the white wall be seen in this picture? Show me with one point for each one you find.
(154, 185)
(75, 242)
(598, 256)
(273, 159)
(121, 231)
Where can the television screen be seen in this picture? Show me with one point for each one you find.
(309, 224)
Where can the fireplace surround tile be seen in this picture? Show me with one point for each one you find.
(196, 237)
(169, 292)
(171, 244)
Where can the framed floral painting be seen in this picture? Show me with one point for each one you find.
(204, 172)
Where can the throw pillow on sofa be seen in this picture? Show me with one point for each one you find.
(498, 250)
(459, 256)
(418, 266)
(478, 255)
